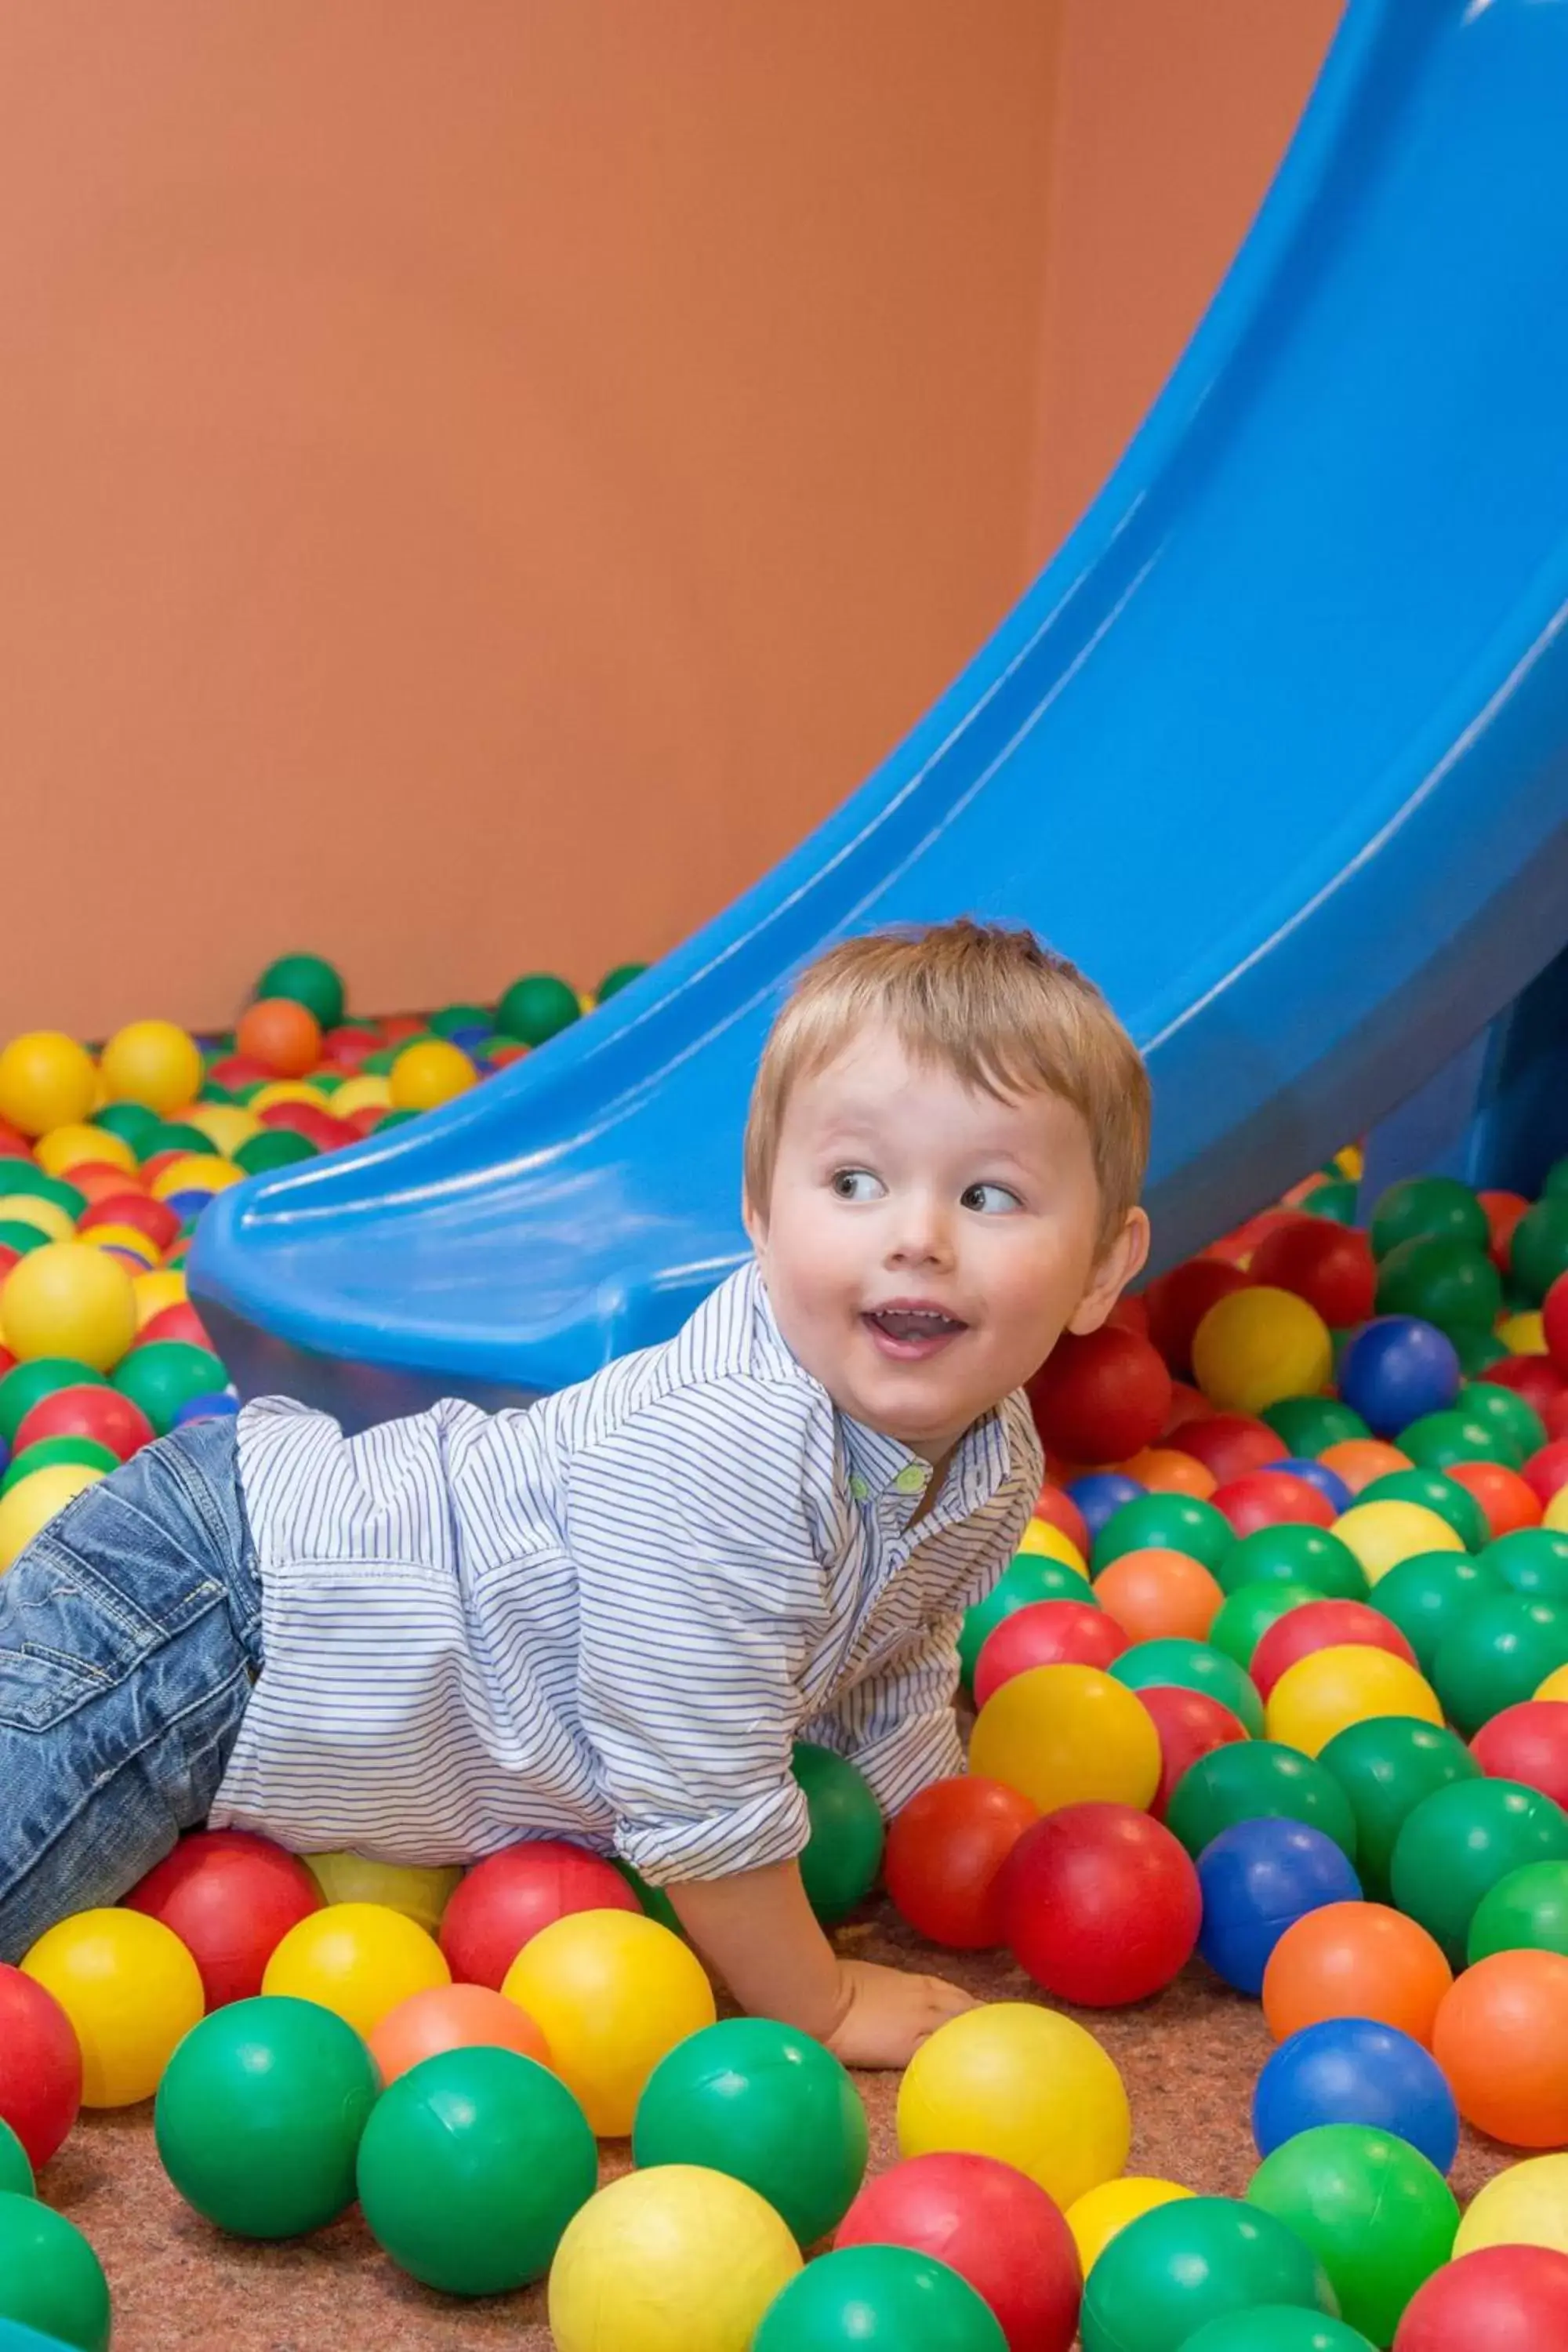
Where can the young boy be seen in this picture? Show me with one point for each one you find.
(607, 1618)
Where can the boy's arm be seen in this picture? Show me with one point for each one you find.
(898, 1725)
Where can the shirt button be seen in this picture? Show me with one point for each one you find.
(912, 1479)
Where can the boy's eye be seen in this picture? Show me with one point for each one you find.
(856, 1184)
(989, 1199)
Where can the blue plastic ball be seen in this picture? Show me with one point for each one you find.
(1353, 2070)
(217, 1405)
(1259, 1878)
(1329, 1483)
(1101, 1494)
(1397, 1369)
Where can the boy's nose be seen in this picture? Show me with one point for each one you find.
(921, 1234)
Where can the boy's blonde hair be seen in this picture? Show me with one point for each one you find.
(1000, 1011)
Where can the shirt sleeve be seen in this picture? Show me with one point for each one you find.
(702, 1595)
(898, 1725)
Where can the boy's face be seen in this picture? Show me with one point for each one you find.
(898, 1190)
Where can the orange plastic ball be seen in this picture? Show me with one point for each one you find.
(1356, 1960)
(452, 2017)
(279, 1034)
(1501, 2038)
(1359, 1460)
(1154, 1594)
(1165, 1471)
(1507, 1501)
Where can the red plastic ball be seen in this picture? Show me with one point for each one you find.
(1330, 1266)
(1187, 1403)
(1554, 1413)
(1534, 1378)
(509, 1897)
(1179, 1300)
(1273, 1499)
(1060, 1511)
(178, 1322)
(136, 1209)
(1101, 1397)
(241, 1070)
(1046, 1633)
(1503, 1211)
(1100, 1904)
(1547, 1471)
(284, 1036)
(99, 1413)
(991, 2224)
(231, 1898)
(1555, 1322)
(40, 2067)
(317, 1126)
(1190, 1724)
(1230, 1444)
(345, 1048)
(100, 1179)
(1323, 1626)
(1529, 1743)
(360, 1123)
(1508, 1500)
(1499, 2299)
(1238, 1247)
(944, 1851)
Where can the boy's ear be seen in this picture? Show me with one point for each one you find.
(1126, 1256)
(755, 1224)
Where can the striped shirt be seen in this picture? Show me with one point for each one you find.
(606, 1618)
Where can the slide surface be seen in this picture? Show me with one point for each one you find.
(1276, 747)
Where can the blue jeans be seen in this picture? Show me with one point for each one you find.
(130, 1636)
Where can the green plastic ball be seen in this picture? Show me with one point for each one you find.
(1427, 1595)
(1258, 1780)
(85, 1453)
(471, 2166)
(614, 982)
(1177, 1664)
(133, 1122)
(22, 1238)
(452, 1019)
(1377, 2213)
(1525, 1912)
(537, 1008)
(274, 1147)
(1440, 1439)
(843, 1852)
(1539, 1251)
(163, 1374)
(1309, 1424)
(307, 979)
(1028, 1577)
(1337, 1201)
(1245, 1615)
(1476, 1350)
(1527, 1559)
(25, 1385)
(1435, 1491)
(1500, 1652)
(50, 2279)
(1445, 1282)
(173, 1135)
(1386, 1768)
(24, 1177)
(16, 2171)
(1165, 1523)
(1459, 1842)
(889, 2298)
(1270, 2327)
(258, 2115)
(1174, 2270)
(1428, 1208)
(1295, 1555)
(769, 2106)
(1511, 1415)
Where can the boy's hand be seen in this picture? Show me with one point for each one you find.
(888, 2013)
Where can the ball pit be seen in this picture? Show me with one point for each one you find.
(1257, 1878)
(998, 2230)
(1501, 2038)
(1024, 2085)
(676, 2260)
(1355, 2070)
(944, 1856)
(1378, 2216)
(612, 1993)
(1066, 1736)
(1456, 1844)
(1356, 1960)
(1099, 1905)
(1193, 2261)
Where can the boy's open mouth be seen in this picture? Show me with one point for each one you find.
(910, 1333)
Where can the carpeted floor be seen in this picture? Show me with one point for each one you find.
(1189, 2060)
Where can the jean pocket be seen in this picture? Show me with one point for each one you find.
(40, 1687)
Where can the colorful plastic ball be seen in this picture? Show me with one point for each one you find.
(69, 1299)
(1230, 1445)
(281, 1035)
(1505, 1497)
(612, 1992)
(1100, 1495)
(40, 2067)
(259, 2115)
(1525, 2205)
(1396, 1369)
(470, 2166)
(844, 1852)
(1248, 1612)
(1526, 1911)
(51, 2283)
(1165, 1523)
(1260, 1780)
(1323, 1625)
(1308, 1425)
(1046, 1633)
(1191, 1665)
(1332, 1489)
(45, 1217)
(1166, 1470)
(1102, 2213)
(1273, 1498)
(1101, 1905)
(418, 1892)
(1295, 1555)
(1528, 1743)
(161, 1375)
(537, 1008)
(1361, 1460)
(1257, 1878)
(1428, 1596)
(1275, 2328)
(880, 2295)
(1382, 1533)
(510, 1895)
(1066, 1736)
(1323, 1694)
(1421, 1208)
(1439, 1280)
(998, 2230)
(1194, 2260)
(274, 1147)
(308, 980)
(1178, 1301)
(1378, 2215)
(1044, 1539)
(1501, 2038)
(1100, 1396)
(1456, 1844)
(16, 2171)
(358, 1959)
(152, 1062)
(1361, 1962)
(101, 1414)
(222, 1407)
(1328, 1266)
(1501, 2298)
(131, 1990)
(1024, 2085)
(230, 1898)
(1028, 1577)
(1499, 1651)
(453, 2017)
(1152, 1594)
(676, 2260)
(1354, 2070)
(46, 1080)
(1190, 1724)
(430, 1072)
(1258, 1345)
(766, 2104)
(1502, 1409)
(56, 1453)
(944, 1851)
(1540, 1253)
(1057, 1508)
(1385, 1767)
(37, 1498)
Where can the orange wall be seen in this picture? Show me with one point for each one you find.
(478, 483)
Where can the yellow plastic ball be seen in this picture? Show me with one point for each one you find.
(1555, 1515)
(1096, 2219)
(419, 1895)
(131, 1991)
(226, 1126)
(611, 1991)
(45, 1217)
(1260, 1345)
(676, 2259)
(1351, 1160)
(1525, 2206)
(151, 1062)
(195, 1172)
(69, 1299)
(1049, 1542)
(46, 1080)
(1023, 2084)
(1383, 1534)
(287, 1090)
(430, 1071)
(1523, 1334)
(368, 1092)
(1330, 1689)
(1555, 1685)
(129, 1239)
(35, 1500)
(73, 1146)
(153, 1292)
(1068, 1735)
(358, 1959)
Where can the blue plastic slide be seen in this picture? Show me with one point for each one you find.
(1277, 747)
